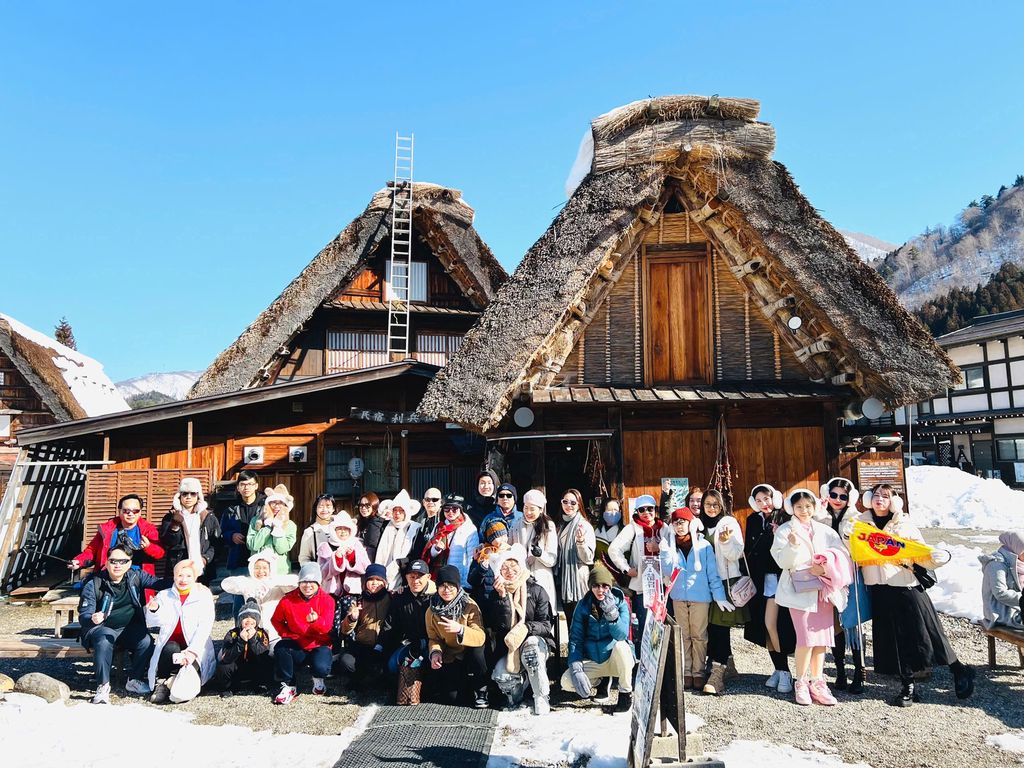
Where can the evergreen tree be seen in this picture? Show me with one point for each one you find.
(1019, 181)
(62, 332)
(986, 201)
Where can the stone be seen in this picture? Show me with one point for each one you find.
(6, 683)
(43, 686)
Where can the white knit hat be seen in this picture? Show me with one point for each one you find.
(535, 497)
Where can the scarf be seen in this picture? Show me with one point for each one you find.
(574, 588)
(443, 532)
(652, 534)
(193, 524)
(453, 610)
(516, 636)
(396, 540)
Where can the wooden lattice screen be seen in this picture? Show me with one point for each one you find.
(103, 487)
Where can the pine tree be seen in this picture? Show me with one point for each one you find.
(1019, 181)
(986, 201)
(62, 332)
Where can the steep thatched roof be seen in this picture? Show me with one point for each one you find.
(438, 211)
(71, 385)
(714, 162)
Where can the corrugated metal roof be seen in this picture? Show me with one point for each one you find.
(692, 394)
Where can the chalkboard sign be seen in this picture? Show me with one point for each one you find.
(647, 689)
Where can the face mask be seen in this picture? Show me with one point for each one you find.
(611, 517)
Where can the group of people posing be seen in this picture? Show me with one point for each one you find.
(457, 600)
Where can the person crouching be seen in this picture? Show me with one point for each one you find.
(304, 619)
(599, 640)
(244, 657)
(455, 639)
(363, 654)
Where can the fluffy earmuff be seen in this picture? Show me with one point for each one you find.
(854, 493)
(788, 503)
(776, 496)
(896, 504)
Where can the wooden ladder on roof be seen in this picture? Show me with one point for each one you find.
(400, 266)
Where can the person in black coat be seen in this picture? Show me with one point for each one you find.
(518, 613)
(189, 508)
(484, 499)
(404, 635)
(370, 524)
(110, 612)
(768, 626)
(244, 656)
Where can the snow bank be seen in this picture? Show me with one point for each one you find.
(580, 168)
(1008, 742)
(761, 754)
(27, 735)
(945, 497)
(89, 384)
(958, 591)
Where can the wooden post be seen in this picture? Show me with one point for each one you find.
(189, 443)
(677, 663)
(403, 459)
(106, 447)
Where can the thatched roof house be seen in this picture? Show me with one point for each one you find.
(686, 170)
(347, 276)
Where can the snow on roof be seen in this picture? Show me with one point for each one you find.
(72, 385)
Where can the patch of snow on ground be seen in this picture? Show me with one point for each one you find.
(958, 591)
(761, 754)
(1008, 742)
(27, 736)
(564, 735)
(945, 497)
(584, 160)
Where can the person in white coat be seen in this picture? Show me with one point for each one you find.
(397, 539)
(537, 533)
(816, 573)
(725, 535)
(184, 615)
(454, 540)
(264, 585)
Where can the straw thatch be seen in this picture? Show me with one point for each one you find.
(438, 211)
(855, 328)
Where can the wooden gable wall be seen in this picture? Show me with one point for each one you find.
(16, 394)
(745, 345)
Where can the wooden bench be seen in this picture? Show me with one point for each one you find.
(29, 647)
(63, 614)
(1011, 636)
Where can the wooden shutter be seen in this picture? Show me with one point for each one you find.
(677, 329)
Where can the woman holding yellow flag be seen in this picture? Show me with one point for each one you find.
(906, 633)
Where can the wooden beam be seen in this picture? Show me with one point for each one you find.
(747, 268)
(189, 445)
(819, 347)
(106, 447)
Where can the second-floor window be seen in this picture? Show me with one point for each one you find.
(436, 348)
(417, 281)
(974, 378)
(350, 350)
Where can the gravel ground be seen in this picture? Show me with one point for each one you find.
(865, 728)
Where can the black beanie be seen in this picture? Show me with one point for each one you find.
(449, 574)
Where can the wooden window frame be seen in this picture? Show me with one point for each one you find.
(676, 253)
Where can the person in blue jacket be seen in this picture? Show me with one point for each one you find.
(506, 509)
(696, 584)
(599, 640)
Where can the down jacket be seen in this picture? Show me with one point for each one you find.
(196, 615)
(593, 638)
(1001, 588)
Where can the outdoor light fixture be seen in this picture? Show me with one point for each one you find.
(794, 323)
(872, 408)
(355, 467)
(297, 454)
(252, 454)
(523, 417)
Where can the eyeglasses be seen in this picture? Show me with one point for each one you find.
(645, 509)
(840, 496)
(119, 560)
(570, 502)
(248, 484)
(187, 493)
(431, 499)
(505, 496)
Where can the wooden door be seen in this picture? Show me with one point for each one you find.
(677, 326)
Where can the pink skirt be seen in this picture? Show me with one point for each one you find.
(815, 628)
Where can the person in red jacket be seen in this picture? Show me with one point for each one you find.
(304, 619)
(128, 530)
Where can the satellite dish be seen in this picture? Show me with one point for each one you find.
(794, 322)
(355, 467)
(523, 416)
(872, 408)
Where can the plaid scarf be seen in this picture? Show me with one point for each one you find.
(453, 610)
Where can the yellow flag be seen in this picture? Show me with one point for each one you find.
(871, 546)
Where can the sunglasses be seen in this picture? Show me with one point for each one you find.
(365, 505)
(119, 560)
(570, 502)
(187, 493)
(840, 496)
(505, 496)
(131, 511)
(645, 509)
(431, 499)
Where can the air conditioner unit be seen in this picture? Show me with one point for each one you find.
(252, 454)
(297, 454)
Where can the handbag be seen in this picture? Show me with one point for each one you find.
(410, 685)
(743, 589)
(185, 685)
(805, 581)
(925, 577)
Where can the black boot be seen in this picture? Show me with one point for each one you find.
(841, 683)
(839, 656)
(963, 679)
(910, 694)
(604, 689)
(480, 699)
(625, 702)
(857, 684)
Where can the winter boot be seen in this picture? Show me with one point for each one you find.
(625, 702)
(909, 694)
(716, 682)
(730, 669)
(963, 679)
(841, 682)
(857, 684)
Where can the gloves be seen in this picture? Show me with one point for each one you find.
(536, 551)
(580, 681)
(725, 605)
(609, 608)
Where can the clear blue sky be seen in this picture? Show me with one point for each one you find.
(166, 170)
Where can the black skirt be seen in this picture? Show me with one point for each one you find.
(905, 630)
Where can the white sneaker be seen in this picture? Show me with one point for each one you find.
(319, 687)
(773, 681)
(287, 694)
(138, 687)
(541, 705)
(785, 682)
(102, 694)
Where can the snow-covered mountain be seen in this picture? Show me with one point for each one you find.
(175, 384)
(867, 247)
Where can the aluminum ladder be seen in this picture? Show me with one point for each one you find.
(399, 286)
